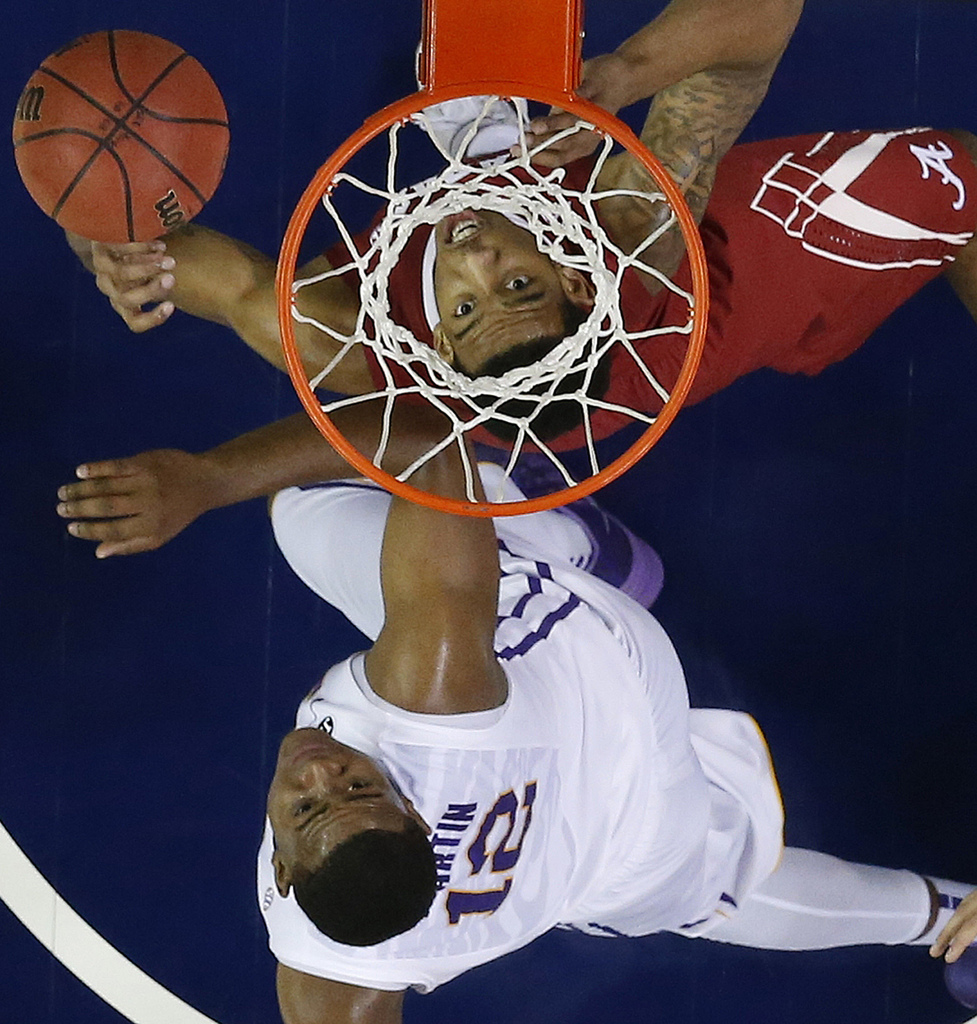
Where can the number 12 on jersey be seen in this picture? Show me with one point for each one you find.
(502, 859)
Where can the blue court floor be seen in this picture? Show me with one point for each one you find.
(818, 539)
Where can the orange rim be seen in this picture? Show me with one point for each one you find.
(307, 205)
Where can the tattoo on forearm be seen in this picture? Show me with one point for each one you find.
(690, 128)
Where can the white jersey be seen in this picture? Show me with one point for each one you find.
(592, 799)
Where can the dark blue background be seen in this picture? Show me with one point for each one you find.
(817, 537)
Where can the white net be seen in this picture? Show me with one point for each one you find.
(567, 228)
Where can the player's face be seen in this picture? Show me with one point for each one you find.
(323, 793)
(494, 288)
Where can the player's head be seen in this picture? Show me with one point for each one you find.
(350, 846)
(495, 290)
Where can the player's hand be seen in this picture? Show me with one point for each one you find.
(602, 84)
(136, 278)
(135, 504)
(960, 931)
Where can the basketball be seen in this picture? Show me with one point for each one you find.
(120, 136)
(961, 978)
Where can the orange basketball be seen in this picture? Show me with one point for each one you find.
(121, 136)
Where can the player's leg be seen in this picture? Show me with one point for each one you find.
(815, 901)
(962, 273)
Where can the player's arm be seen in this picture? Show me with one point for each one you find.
(221, 279)
(439, 572)
(689, 36)
(139, 503)
(690, 128)
(692, 123)
(304, 999)
(440, 577)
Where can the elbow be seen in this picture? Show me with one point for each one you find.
(784, 16)
(763, 31)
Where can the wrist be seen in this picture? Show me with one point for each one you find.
(217, 484)
(82, 248)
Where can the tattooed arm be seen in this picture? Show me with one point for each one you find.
(708, 64)
(688, 37)
(690, 127)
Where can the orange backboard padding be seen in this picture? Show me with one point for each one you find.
(532, 42)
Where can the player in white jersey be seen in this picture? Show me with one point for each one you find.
(578, 801)
(514, 752)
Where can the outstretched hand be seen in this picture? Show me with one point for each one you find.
(960, 931)
(135, 504)
(603, 83)
(135, 277)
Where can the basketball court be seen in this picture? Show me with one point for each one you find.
(817, 537)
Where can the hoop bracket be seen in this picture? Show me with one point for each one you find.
(533, 42)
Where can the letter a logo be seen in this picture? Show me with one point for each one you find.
(934, 158)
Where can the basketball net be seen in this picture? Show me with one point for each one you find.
(565, 224)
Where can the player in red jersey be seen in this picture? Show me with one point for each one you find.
(708, 64)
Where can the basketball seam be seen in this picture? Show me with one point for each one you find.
(48, 132)
(216, 122)
(83, 170)
(117, 75)
(121, 126)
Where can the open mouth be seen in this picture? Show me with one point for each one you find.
(459, 227)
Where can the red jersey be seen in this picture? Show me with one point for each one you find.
(811, 241)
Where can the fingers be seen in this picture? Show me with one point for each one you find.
(133, 504)
(108, 505)
(109, 468)
(555, 121)
(103, 506)
(105, 490)
(129, 533)
(565, 151)
(959, 933)
(134, 276)
(139, 320)
(950, 945)
(116, 536)
(603, 83)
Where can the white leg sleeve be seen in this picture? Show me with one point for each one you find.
(814, 901)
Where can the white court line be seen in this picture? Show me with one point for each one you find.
(81, 949)
(84, 952)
